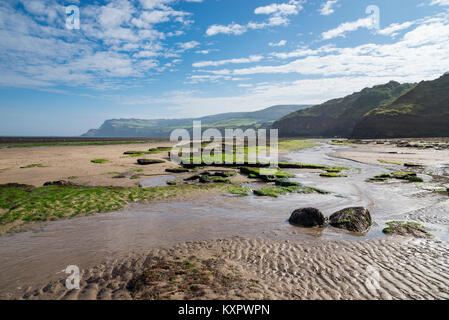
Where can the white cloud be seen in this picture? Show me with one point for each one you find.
(392, 30)
(422, 53)
(328, 7)
(250, 59)
(277, 17)
(188, 45)
(117, 42)
(289, 8)
(278, 44)
(343, 28)
(440, 2)
(233, 28)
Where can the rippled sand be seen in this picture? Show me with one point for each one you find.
(266, 269)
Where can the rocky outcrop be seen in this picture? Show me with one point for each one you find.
(356, 219)
(307, 217)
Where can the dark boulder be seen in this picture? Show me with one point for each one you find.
(192, 178)
(307, 217)
(357, 219)
(177, 170)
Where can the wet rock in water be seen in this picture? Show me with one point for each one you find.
(357, 219)
(409, 176)
(145, 162)
(286, 183)
(307, 217)
(61, 183)
(412, 165)
(172, 183)
(407, 228)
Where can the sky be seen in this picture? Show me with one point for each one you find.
(166, 59)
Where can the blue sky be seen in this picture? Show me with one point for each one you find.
(188, 58)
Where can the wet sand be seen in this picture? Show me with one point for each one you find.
(246, 244)
(268, 269)
(372, 153)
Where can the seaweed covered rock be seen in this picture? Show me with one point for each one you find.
(225, 173)
(406, 228)
(193, 178)
(17, 186)
(145, 162)
(356, 219)
(307, 217)
(61, 183)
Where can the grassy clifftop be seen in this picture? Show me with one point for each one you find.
(338, 117)
(421, 112)
(161, 128)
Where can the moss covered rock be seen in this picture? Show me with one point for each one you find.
(406, 228)
(145, 162)
(357, 219)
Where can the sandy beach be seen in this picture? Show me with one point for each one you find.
(60, 163)
(190, 249)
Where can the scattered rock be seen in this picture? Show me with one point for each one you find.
(145, 162)
(205, 179)
(407, 228)
(61, 183)
(192, 178)
(411, 165)
(177, 170)
(286, 183)
(307, 217)
(357, 219)
(225, 173)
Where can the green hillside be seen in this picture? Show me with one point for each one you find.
(421, 112)
(162, 128)
(338, 117)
